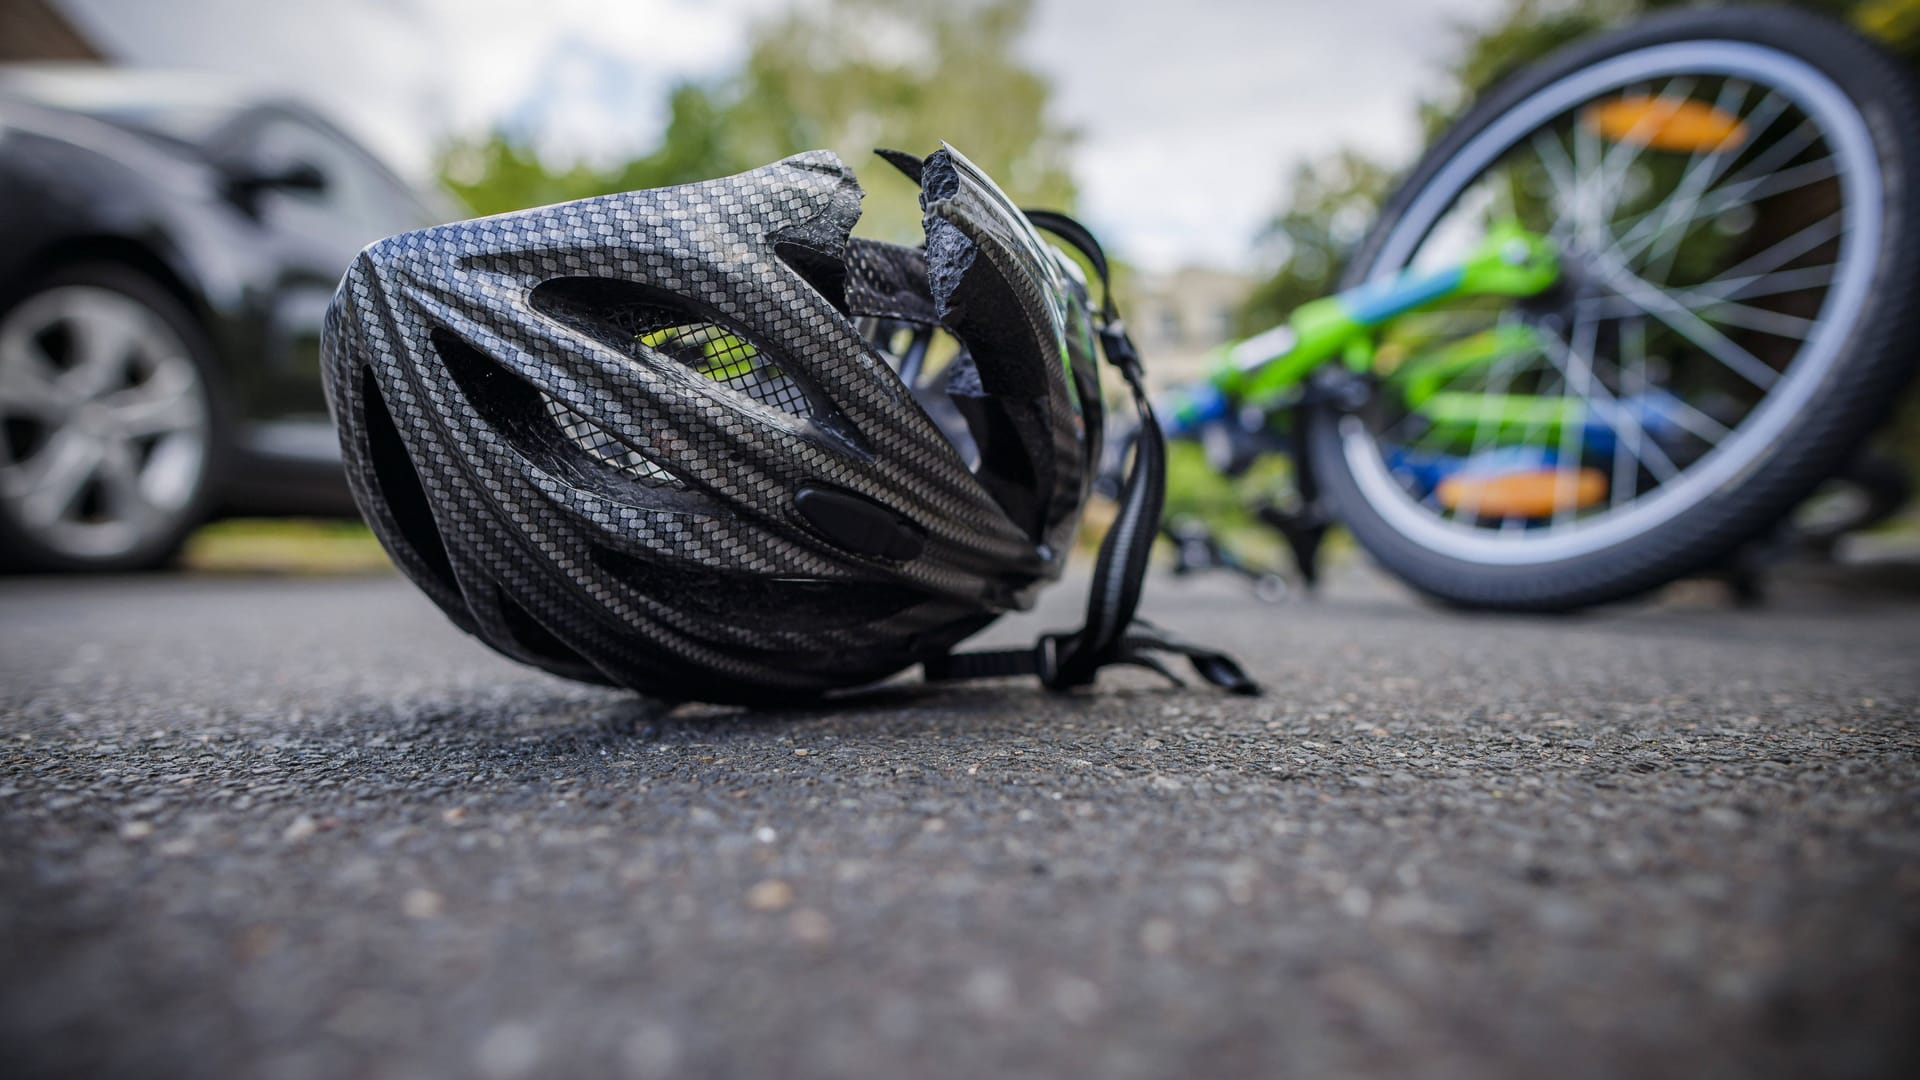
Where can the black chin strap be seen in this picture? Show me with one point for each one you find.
(1112, 634)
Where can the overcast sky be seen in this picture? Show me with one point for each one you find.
(1192, 112)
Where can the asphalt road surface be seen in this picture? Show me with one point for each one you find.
(285, 828)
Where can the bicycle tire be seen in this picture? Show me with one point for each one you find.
(1854, 396)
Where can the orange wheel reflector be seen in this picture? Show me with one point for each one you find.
(1534, 493)
(1686, 125)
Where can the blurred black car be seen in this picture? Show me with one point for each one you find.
(167, 250)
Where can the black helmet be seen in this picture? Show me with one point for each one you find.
(653, 438)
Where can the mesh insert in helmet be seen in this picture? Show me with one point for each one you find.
(629, 317)
(542, 429)
(594, 439)
(729, 359)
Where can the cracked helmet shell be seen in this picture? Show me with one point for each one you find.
(641, 439)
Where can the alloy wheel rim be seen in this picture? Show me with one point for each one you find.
(104, 422)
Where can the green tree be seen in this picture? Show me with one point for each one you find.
(850, 75)
(1332, 200)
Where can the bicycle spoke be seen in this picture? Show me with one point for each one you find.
(1712, 308)
(1776, 323)
(1610, 412)
(1610, 179)
(1770, 159)
(1719, 290)
(1792, 247)
(1694, 329)
(1773, 157)
(1553, 158)
(1633, 380)
(1546, 387)
(1700, 172)
(1586, 155)
(1789, 179)
(1758, 122)
(1508, 194)
(1753, 286)
(1699, 424)
(1486, 426)
(1734, 197)
(1573, 436)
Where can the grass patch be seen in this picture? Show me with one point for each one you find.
(284, 546)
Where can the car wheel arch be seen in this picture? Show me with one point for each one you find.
(134, 254)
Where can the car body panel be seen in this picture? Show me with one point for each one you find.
(255, 266)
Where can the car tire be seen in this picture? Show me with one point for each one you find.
(112, 432)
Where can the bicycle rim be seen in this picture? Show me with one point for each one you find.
(1713, 277)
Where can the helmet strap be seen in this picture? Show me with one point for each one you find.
(1112, 633)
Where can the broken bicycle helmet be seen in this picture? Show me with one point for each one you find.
(655, 439)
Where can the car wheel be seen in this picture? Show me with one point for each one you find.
(109, 425)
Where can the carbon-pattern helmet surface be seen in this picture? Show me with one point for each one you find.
(642, 439)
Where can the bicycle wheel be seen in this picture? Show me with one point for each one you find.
(1730, 193)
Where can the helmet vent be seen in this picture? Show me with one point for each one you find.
(826, 273)
(400, 487)
(543, 430)
(731, 360)
(604, 448)
(639, 321)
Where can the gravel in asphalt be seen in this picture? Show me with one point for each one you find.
(289, 828)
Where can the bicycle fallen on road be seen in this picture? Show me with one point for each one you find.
(1624, 317)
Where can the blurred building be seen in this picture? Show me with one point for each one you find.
(1179, 318)
(36, 30)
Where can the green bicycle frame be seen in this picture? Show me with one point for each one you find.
(1268, 369)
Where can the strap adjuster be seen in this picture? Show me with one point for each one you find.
(1046, 659)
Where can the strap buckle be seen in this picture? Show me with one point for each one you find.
(1119, 348)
